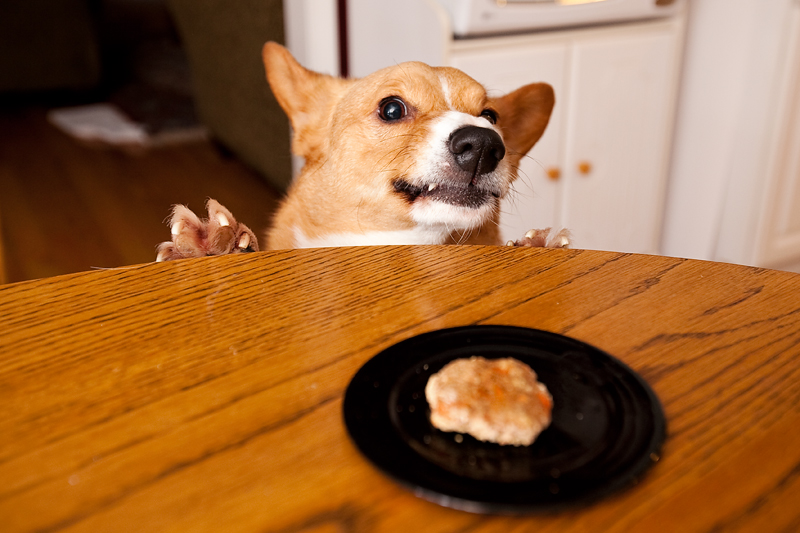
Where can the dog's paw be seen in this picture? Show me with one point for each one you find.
(544, 238)
(219, 234)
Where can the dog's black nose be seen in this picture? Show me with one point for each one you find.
(477, 150)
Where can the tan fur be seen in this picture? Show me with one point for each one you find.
(352, 157)
(367, 179)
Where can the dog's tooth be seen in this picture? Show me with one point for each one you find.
(223, 220)
(244, 242)
(431, 187)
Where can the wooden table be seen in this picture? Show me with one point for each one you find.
(206, 395)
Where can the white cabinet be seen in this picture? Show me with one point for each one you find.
(601, 167)
(780, 225)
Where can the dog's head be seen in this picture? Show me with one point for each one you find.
(419, 144)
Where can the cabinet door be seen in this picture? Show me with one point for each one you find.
(619, 128)
(534, 199)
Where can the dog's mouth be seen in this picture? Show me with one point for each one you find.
(461, 195)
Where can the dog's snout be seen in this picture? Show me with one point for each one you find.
(477, 150)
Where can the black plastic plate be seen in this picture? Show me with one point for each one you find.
(608, 425)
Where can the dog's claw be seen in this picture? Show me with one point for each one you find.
(219, 234)
(544, 238)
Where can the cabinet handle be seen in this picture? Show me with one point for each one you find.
(554, 173)
(585, 168)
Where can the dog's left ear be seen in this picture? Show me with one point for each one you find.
(523, 116)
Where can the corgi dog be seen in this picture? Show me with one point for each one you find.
(411, 154)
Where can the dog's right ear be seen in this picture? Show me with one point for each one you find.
(307, 97)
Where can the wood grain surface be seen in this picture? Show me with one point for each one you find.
(206, 395)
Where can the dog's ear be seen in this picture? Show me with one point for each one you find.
(307, 97)
(522, 117)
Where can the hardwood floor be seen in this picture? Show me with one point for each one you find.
(66, 207)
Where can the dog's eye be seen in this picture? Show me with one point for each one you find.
(392, 109)
(490, 115)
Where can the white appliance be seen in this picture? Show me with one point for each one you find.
(482, 17)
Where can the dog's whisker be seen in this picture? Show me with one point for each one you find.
(536, 161)
(465, 236)
(358, 216)
(397, 155)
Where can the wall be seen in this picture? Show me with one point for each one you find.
(312, 33)
(723, 132)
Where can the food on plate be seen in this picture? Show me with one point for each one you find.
(494, 400)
